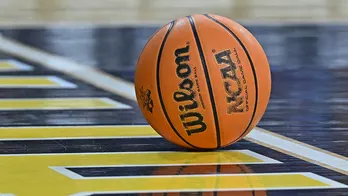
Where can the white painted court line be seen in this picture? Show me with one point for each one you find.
(66, 172)
(300, 150)
(126, 89)
(83, 72)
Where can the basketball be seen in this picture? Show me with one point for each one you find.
(203, 81)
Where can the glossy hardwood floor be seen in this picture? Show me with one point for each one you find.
(65, 133)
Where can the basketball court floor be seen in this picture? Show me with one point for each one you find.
(70, 124)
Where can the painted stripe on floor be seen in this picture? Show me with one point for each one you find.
(147, 158)
(54, 167)
(300, 150)
(60, 104)
(13, 65)
(278, 142)
(34, 82)
(213, 182)
(76, 132)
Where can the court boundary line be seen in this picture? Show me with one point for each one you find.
(302, 143)
(103, 80)
(340, 166)
(330, 184)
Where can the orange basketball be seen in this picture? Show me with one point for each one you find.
(203, 81)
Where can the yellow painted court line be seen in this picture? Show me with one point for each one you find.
(277, 142)
(126, 89)
(34, 82)
(145, 131)
(60, 104)
(214, 182)
(55, 168)
(13, 65)
(148, 158)
(76, 132)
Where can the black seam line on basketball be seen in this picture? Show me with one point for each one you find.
(252, 67)
(206, 73)
(159, 85)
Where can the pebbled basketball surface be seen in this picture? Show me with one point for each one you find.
(208, 80)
